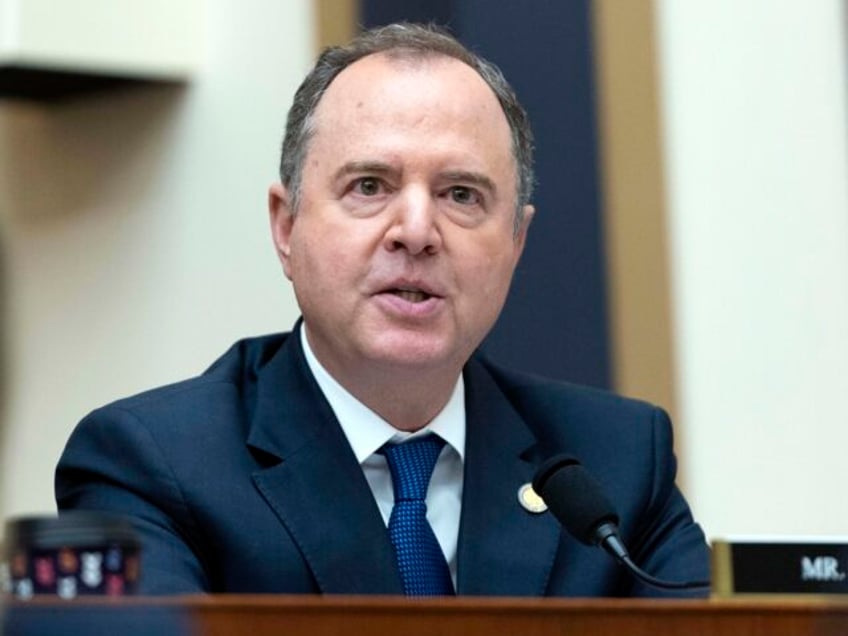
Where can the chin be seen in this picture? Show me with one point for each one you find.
(413, 353)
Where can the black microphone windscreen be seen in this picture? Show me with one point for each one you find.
(574, 497)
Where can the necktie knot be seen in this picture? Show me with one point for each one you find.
(411, 464)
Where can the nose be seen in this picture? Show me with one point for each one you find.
(413, 225)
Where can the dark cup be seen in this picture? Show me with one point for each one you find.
(74, 554)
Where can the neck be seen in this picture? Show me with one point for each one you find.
(407, 398)
(407, 403)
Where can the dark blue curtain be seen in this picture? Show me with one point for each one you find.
(555, 320)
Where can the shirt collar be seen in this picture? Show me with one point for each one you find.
(366, 431)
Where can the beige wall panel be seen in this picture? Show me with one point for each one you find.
(634, 207)
(336, 22)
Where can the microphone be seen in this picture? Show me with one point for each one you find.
(578, 502)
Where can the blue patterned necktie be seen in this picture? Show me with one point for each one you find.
(422, 565)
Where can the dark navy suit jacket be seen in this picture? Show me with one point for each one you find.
(241, 480)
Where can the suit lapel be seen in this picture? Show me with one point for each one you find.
(315, 485)
(504, 550)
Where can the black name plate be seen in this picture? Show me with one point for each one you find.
(754, 566)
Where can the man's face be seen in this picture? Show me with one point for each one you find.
(402, 250)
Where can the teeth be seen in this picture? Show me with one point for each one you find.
(412, 296)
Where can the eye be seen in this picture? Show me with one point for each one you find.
(464, 195)
(367, 186)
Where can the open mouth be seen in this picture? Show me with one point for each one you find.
(411, 295)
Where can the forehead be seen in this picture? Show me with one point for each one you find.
(383, 98)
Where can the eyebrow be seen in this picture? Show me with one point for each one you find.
(371, 167)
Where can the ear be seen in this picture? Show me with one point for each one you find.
(282, 223)
(521, 236)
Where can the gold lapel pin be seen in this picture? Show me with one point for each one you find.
(531, 501)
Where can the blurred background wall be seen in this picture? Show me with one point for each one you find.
(134, 231)
(756, 142)
(714, 252)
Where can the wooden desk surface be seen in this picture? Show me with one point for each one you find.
(351, 616)
(467, 616)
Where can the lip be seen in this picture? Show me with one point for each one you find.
(408, 284)
(399, 306)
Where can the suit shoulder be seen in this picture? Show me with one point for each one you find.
(549, 405)
(626, 443)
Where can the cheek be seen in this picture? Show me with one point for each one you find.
(322, 258)
(306, 261)
(489, 274)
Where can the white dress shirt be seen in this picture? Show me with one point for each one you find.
(367, 432)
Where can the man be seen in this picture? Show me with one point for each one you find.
(401, 213)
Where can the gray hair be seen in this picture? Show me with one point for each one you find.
(401, 39)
